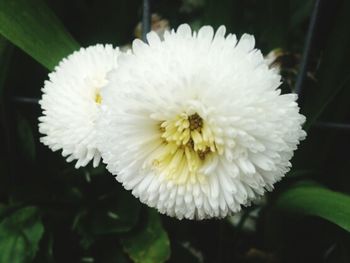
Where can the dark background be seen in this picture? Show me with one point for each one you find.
(51, 212)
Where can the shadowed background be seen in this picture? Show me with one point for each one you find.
(52, 212)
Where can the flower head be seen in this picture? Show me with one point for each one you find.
(197, 127)
(71, 103)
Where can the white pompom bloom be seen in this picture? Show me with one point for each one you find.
(71, 103)
(197, 126)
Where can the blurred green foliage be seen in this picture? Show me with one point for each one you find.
(33, 27)
(149, 244)
(51, 212)
(317, 201)
(20, 233)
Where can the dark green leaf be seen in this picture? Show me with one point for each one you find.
(20, 234)
(150, 244)
(313, 200)
(33, 27)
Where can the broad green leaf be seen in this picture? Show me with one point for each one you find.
(314, 200)
(20, 234)
(34, 28)
(150, 244)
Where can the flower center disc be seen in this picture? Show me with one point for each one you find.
(98, 98)
(188, 142)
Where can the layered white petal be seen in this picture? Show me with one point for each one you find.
(244, 131)
(71, 103)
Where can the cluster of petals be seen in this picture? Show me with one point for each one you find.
(71, 103)
(194, 124)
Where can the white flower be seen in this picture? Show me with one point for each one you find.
(71, 103)
(197, 126)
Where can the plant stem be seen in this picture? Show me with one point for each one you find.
(146, 19)
(307, 48)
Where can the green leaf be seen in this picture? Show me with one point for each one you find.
(313, 200)
(150, 244)
(20, 234)
(34, 28)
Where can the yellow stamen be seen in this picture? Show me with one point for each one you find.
(98, 98)
(188, 140)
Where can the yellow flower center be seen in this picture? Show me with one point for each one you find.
(188, 142)
(98, 98)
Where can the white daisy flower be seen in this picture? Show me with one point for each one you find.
(197, 127)
(71, 103)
